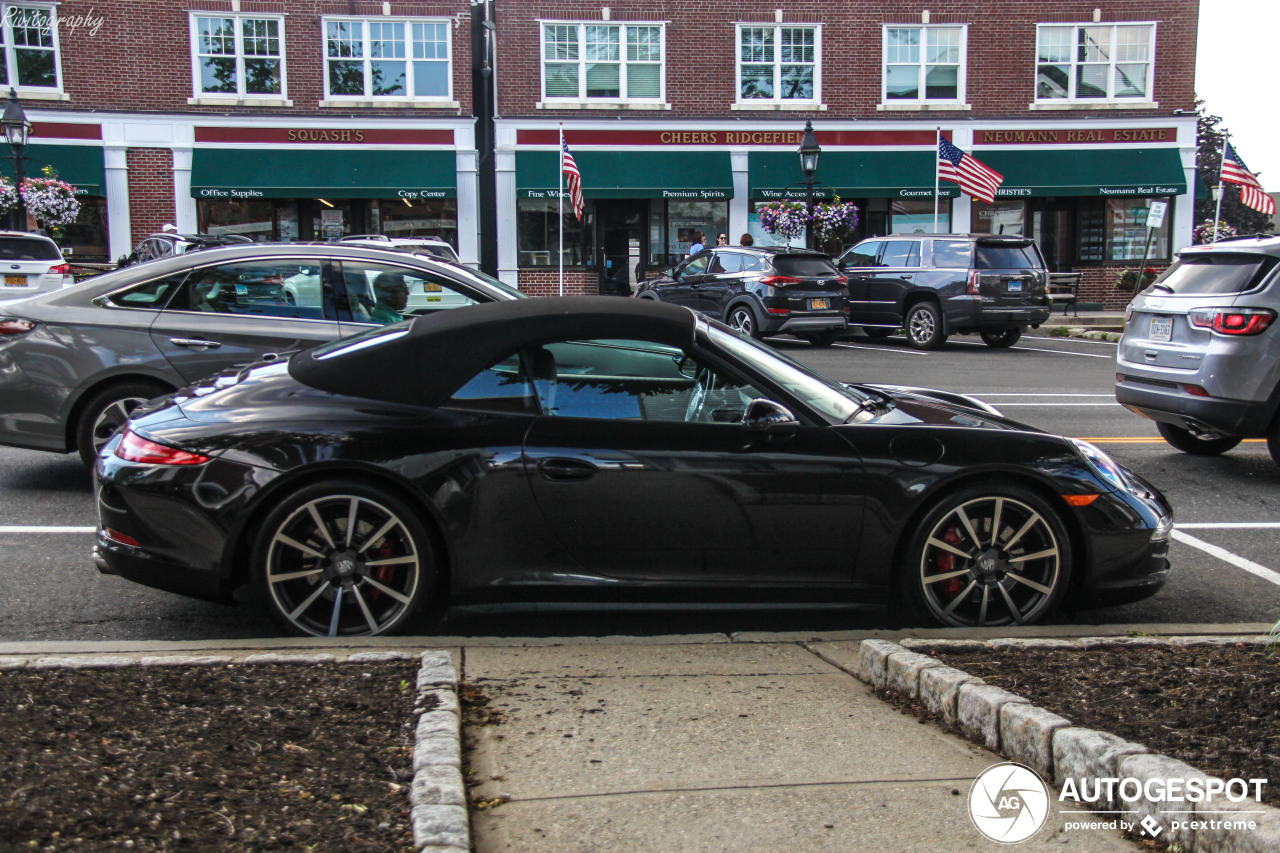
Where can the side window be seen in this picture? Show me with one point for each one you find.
(952, 254)
(267, 288)
(731, 261)
(716, 267)
(383, 293)
(504, 387)
(160, 248)
(861, 255)
(149, 294)
(697, 266)
(635, 380)
(898, 253)
(752, 262)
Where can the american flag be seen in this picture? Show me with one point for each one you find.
(570, 169)
(977, 179)
(1251, 192)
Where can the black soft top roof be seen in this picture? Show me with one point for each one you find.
(441, 351)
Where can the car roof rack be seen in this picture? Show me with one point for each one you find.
(365, 237)
(1244, 237)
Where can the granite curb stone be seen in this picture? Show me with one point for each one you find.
(1081, 754)
(873, 660)
(1026, 735)
(978, 709)
(1263, 838)
(902, 672)
(940, 687)
(1152, 765)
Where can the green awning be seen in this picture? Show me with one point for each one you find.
(630, 174)
(1088, 172)
(79, 165)
(848, 174)
(248, 173)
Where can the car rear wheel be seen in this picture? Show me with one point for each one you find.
(1189, 442)
(1002, 339)
(923, 326)
(743, 319)
(341, 559)
(823, 339)
(987, 556)
(876, 332)
(106, 411)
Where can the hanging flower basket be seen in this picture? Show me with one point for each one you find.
(8, 195)
(1133, 279)
(833, 220)
(785, 219)
(1208, 232)
(51, 201)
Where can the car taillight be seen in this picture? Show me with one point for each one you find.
(1233, 321)
(12, 327)
(60, 269)
(844, 279)
(975, 280)
(135, 448)
(779, 280)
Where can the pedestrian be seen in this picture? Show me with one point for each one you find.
(722, 240)
(746, 240)
(169, 228)
(699, 243)
(392, 293)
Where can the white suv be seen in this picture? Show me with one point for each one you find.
(1200, 354)
(32, 264)
(433, 246)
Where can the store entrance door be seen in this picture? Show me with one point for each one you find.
(620, 244)
(1051, 228)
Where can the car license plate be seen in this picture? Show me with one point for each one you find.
(1161, 328)
(15, 281)
(817, 304)
(1015, 287)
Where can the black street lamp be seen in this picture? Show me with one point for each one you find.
(17, 129)
(809, 151)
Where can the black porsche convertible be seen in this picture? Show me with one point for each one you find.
(595, 449)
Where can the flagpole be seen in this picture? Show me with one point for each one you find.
(937, 143)
(1217, 210)
(560, 205)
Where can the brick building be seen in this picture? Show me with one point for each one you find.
(304, 119)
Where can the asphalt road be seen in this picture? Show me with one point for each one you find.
(1227, 510)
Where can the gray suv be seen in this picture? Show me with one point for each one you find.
(1199, 354)
(935, 285)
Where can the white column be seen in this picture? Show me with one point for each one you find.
(505, 191)
(119, 226)
(1184, 206)
(740, 204)
(184, 206)
(468, 208)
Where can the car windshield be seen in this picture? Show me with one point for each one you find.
(1005, 256)
(834, 401)
(808, 266)
(1215, 272)
(28, 249)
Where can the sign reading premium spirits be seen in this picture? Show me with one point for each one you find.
(1075, 136)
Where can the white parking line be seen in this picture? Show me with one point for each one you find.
(1040, 349)
(31, 528)
(881, 349)
(1229, 525)
(1227, 557)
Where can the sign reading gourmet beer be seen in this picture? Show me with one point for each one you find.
(1075, 136)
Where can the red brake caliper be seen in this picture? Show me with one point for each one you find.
(383, 573)
(947, 563)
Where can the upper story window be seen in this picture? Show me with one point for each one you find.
(1094, 62)
(779, 63)
(238, 55)
(924, 64)
(30, 47)
(388, 58)
(588, 61)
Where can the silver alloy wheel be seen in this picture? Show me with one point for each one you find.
(342, 565)
(742, 320)
(112, 418)
(990, 561)
(921, 326)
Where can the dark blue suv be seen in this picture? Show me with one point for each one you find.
(760, 291)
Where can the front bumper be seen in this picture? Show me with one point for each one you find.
(1128, 556)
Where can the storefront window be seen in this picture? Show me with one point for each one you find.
(538, 224)
(1001, 217)
(397, 217)
(259, 220)
(916, 216)
(1126, 234)
(86, 238)
(685, 219)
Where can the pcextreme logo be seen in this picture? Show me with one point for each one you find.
(1008, 802)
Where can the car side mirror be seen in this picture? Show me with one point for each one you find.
(768, 417)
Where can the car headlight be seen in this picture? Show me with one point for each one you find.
(1103, 465)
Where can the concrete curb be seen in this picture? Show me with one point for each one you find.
(1052, 746)
(437, 796)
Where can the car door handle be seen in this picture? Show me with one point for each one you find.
(195, 343)
(906, 277)
(558, 468)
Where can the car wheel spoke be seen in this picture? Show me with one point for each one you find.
(336, 614)
(955, 602)
(949, 548)
(1015, 538)
(376, 584)
(352, 512)
(982, 610)
(1008, 602)
(392, 561)
(374, 627)
(1038, 555)
(320, 525)
(284, 539)
(382, 531)
(945, 576)
(995, 521)
(307, 602)
(968, 527)
(293, 576)
(1040, 588)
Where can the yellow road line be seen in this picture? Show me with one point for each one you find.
(1116, 439)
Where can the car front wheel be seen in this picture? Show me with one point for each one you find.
(341, 559)
(987, 556)
(742, 319)
(106, 411)
(1002, 339)
(923, 325)
(1188, 442)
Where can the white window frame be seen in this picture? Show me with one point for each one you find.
(777, 100)
(1074, 63)
(921, 66)
(198, 94)
(581, 29)
(367, 59)
(9, 11)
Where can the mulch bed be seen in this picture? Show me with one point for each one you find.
(1215, 707)
(230, 757)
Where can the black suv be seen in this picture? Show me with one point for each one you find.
(760, 291)
(936, 285)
